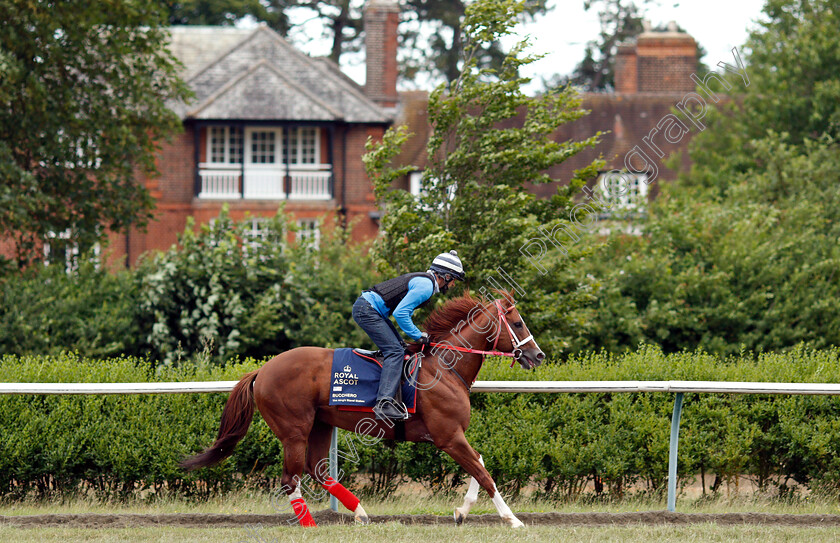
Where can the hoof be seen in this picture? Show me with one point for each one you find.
(516, 523)
(360, 516)
(459, 517)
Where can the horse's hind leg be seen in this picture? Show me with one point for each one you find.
(317, 467)
(469, 500)
(293, 461)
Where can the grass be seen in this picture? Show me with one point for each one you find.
(391, 532)
(417, 501)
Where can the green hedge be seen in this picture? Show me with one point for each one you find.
(94, 311)
(116, 445)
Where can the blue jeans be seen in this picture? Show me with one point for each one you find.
(386, 337)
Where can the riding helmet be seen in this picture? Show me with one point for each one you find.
(448, 263)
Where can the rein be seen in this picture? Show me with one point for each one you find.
(516, 352)
(467, 350)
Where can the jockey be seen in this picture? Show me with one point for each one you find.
(401, 296)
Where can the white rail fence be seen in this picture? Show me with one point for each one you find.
(677, 387)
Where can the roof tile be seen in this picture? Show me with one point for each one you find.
(248, 93)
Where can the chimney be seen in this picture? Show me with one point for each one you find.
(659, 62)
(626, 73)
(381, 19)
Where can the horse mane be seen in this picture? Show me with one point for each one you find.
(445, 320)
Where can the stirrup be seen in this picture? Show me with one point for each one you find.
(388, 408)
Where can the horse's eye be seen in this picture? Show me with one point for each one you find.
(517, 324)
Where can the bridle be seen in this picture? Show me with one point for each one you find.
(516, 352)
(516, 343)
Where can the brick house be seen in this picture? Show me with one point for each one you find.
(652, 75)
(270, 125)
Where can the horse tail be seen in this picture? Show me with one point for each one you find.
(236, 418)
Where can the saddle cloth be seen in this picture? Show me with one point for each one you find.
(354, 380)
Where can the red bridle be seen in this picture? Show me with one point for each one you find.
(516, 343)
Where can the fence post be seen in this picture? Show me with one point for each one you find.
(672, 455)
(334, 465)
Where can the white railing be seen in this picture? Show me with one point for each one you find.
(311, 185)
(723, 387)
(220, 183)
(265, 182)
(678, 387)
(116, 388)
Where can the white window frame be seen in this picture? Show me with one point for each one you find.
(255, 234)
(414, 179)
(283, 138)
(634, 198)
(71, 255)
(227, 143)
(295, 151)
(278, 145)
(309, 232)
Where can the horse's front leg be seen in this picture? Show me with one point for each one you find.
(469, 500)
(461, 451)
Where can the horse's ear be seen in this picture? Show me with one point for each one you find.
(505, 295)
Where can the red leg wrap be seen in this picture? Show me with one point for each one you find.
(343, 495)
(302, 513)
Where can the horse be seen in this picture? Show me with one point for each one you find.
(292, 390)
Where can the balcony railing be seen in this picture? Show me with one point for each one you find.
(265, 182)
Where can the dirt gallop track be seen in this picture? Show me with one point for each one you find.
(328, 517)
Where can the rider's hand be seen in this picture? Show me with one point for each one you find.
(424, 338)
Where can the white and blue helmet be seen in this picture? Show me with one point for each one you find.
(448, 263)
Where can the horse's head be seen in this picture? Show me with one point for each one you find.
(514, 336)
(471, 325)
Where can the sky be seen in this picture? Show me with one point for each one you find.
(561, 35)
(718, 25)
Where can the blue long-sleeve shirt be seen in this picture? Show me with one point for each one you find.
(420, 289)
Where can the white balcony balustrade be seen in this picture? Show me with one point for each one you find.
(220, 183)
(265, 182)
(310, 185)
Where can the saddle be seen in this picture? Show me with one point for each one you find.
(379, 359)
(355, 376)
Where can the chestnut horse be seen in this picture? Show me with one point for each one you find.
(292, 390)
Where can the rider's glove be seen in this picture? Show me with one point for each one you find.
(424, 338)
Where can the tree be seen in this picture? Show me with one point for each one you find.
(82, 109)
(435, 46)
(743, 250)
(489, 142)
(620, 21)
(344, 24)
(756, 270)
(217, 12)
(225, 293)
(794, 91)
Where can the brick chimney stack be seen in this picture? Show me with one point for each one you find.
(381, 20)
(626, 71)
(657, 62)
